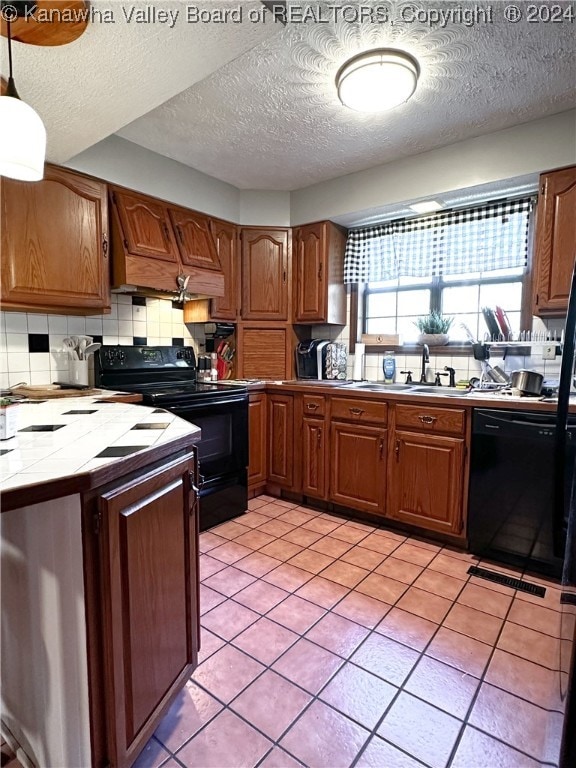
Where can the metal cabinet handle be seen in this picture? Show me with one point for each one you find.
(105, 245)
(320, 271)
(397, 450)
(319, 438)
(311, 406)
(165, 228)
(428, 419)
(180, 236)
(356, 411)
(381, 448)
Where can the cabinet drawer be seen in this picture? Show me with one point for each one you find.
(431, 419)
(313, 405)
(361, 411)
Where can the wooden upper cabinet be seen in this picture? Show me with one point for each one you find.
(154, 243)
(318, 274)
(195, 241)
(55, 244)
(226, 241)
(265, 278)
(146, 227)
(555, 244)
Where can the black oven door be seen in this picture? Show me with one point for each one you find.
(223, 448)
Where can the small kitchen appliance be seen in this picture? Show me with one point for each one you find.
(321, 359)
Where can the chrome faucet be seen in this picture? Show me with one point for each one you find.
(425, 359)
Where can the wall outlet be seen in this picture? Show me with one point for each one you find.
(549, 352)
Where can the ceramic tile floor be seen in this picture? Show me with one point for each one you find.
(330, 643)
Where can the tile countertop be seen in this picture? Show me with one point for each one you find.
(73, 444)
(433, 397)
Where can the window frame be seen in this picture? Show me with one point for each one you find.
(437, 285)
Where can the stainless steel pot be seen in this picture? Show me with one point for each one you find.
(527, 381)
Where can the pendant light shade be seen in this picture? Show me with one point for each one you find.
(22, 132)
(377, 80)
(22, 140)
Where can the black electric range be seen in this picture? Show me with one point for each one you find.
(166, 378)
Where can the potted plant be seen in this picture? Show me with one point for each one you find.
(433, 329)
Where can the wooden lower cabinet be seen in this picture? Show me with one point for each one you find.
(358, 466)
(426, 481)
(143, 613)
(281, 440)
(314, 445)
(257, 434)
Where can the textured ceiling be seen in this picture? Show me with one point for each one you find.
(271, 119)
(254, 104)
(121, 68)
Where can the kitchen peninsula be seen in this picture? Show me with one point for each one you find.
(99, 573)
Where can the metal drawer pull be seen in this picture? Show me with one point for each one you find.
(312, 406)
(356, 411)
(428, 419)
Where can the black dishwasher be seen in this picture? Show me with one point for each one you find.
(511, 494)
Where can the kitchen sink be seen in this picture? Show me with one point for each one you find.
(375, 387)
(439, 391)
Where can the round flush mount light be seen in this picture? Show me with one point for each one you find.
(377, 80)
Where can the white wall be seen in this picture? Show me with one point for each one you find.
(515, 152)
(123, 162)
(44, 669)
(264, 208)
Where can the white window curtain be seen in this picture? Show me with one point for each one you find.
(480, 239)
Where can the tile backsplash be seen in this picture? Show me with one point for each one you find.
(31, 344)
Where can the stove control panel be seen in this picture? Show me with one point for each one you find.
(124, 358)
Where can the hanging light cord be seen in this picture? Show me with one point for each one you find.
(11, 87)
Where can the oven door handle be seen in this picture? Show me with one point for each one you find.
(203, 404)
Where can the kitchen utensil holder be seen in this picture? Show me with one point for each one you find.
(78, 372)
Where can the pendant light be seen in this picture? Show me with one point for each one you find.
(377, 80)
(22, 132)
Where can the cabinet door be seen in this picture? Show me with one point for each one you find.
(314, 457)
(264, 352)
(258, 439)
(281, 440)
(310, 266)
(149, 552)
(146, 226)
(555, 249)
(426, 481)
(226, 240)
(358, 472)
(195, 241)
(265, 288)
(55, 244)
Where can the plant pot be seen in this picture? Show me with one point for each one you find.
(433, 339)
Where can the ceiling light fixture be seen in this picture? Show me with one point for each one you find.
(22, 132)
(426, 206)
(377, 80)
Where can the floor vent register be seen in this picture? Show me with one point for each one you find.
(507, 581)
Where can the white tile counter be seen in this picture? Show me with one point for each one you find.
(76, 437)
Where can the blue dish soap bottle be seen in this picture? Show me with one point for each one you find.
(389, 367)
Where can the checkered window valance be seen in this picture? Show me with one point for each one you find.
(459, 241)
